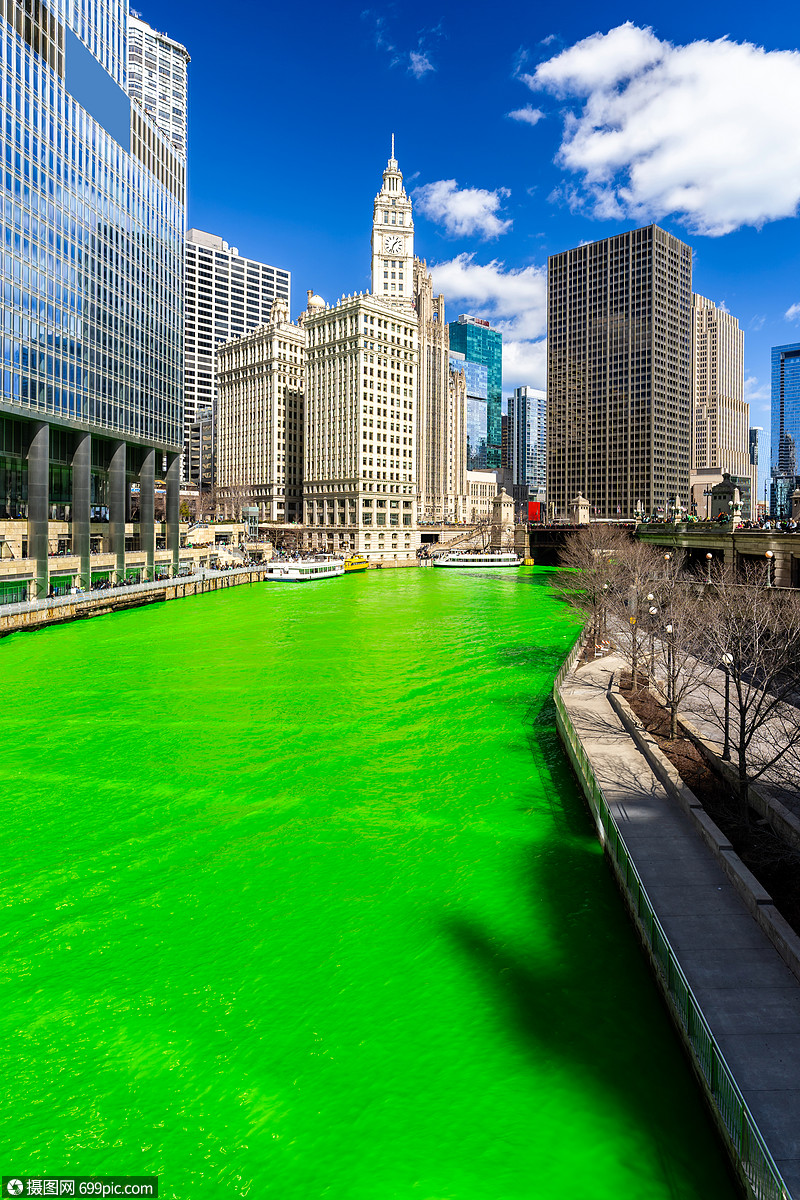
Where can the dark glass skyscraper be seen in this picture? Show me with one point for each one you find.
(785, 428)
(618, 374)
(479, 343)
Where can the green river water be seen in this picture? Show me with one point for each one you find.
(303, 903)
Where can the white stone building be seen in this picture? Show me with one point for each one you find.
(360, 489)
(393, 240)
(156, 78)
(226, 295)
(721, 416)
(260, 420)
(441, 411)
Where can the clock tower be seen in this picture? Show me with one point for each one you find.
(393, 240)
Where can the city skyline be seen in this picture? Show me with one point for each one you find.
(490, 203)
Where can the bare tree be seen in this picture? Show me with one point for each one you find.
(678, 649)
(591, 571)
(630, 600)
(753, 634)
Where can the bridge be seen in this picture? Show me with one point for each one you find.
(734, 546)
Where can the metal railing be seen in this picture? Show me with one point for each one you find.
(743, 1135)
(124, 590)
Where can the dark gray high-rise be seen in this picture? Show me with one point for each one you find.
(618, 374)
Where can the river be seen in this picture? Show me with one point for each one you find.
(303, 903)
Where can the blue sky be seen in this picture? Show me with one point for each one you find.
(685, 114)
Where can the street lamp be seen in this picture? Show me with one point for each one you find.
(653, 614)
(670, 689)
(727, 659)
(709, 559)
(768, 555)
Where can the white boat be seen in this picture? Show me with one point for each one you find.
(303, 570)
(477, 558)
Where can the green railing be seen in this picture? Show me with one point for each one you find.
(745, 1141)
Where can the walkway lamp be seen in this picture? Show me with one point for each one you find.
(709, 560)
(653, 614)
(727, 659)
(768, 555)
(668, 630)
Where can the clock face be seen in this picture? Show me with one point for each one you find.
(392, 245)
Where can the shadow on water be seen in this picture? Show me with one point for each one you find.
(589, 1009)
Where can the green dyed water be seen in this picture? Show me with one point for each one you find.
(303, 903)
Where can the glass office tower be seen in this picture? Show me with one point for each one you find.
(479, 343)
(785, 428)
(92, 297)
(477, 423)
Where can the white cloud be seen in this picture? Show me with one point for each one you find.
(706, 131)
(793, 313)
(758, 395)
(419, 64)
(529, 115)
(465, 211)
(514, 301)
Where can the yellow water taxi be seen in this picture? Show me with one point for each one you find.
(355, 563)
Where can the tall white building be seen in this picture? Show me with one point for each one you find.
(260, 419)
(226, 295)
(360, 480)
(721, 416)
(441, 411)
(157, 79)
(393, 239)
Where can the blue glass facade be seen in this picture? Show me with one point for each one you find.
(92, 230)
(477, 382)
(92, 204)
(785, 428)
(480, 344)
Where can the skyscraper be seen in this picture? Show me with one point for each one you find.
(618, 374)
(157, 79)
(226, 295)
(393, 239)
(441, 410)
(785, 427)
(720, 414)
(259, 427)
(527, 439)
(479, 343)
(92, 303)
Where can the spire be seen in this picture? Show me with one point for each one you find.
(392, 145)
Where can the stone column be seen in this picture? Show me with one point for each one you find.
(39, 506)
(81, 506)
(147, 502)
(174, 509)
(117, 488)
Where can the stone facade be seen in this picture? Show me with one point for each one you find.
(260, 420)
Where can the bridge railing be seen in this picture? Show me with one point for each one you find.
(734, 1117)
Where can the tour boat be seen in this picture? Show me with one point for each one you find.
(477, 558)
(303, 570)
(355, 563)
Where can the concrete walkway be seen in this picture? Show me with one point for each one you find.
(750, 998)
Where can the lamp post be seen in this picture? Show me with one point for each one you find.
(727, 659)
(709, 560)
(768, 555)
(668, 631)
(653, 611)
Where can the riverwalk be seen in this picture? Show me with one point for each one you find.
(55, 610)
(736, 1000)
